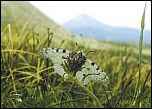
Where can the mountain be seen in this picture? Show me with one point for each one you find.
(20, 13)
(90, 27)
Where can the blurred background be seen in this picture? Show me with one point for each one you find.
(104, 20)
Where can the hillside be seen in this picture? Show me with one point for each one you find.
(22, 13)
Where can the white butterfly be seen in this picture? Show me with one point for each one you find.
(84, 69)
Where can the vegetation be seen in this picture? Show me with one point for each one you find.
(29, 81)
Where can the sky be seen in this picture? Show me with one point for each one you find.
(114, 13)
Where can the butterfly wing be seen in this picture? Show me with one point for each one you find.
(56, 55)
(91, 72)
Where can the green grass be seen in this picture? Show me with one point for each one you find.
(29, 81)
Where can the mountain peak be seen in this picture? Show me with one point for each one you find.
(83, 19)
(83, 16)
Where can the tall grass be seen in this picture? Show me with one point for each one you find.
(139, 88)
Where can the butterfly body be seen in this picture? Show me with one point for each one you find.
(75, 61)
(84, 69)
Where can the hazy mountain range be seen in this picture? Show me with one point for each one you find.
(89, 27)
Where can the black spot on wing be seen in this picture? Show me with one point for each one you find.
(64, 57)
(97, 68)
(102, 70)
(92, 64)
(64, 74)
(57, 50)
(64, 51)
(88, 69)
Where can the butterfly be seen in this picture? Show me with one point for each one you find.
(84, 69)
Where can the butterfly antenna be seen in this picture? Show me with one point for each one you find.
(78, 46)
(91, 51)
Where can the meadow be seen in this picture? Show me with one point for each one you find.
(27, 80)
